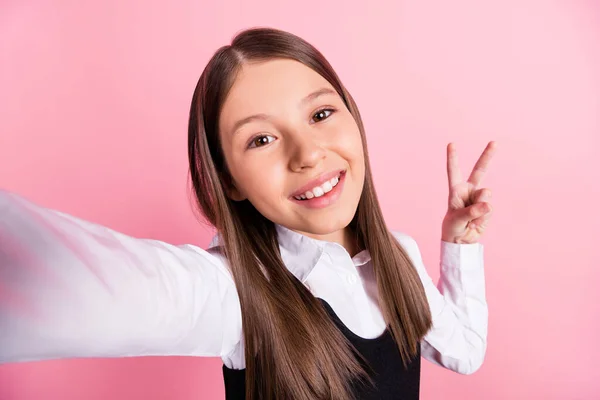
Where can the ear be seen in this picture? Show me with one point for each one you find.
(232, 191)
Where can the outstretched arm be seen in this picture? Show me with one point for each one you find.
(70, 288)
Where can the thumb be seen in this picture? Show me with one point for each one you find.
(473, 211)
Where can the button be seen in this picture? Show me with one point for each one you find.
(351, 278)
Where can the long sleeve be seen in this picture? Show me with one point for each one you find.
(458, 338)
(71, 289)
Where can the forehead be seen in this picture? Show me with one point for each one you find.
(269, 87)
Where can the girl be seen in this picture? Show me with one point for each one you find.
(304, 293)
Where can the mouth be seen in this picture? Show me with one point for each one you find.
(324, 194)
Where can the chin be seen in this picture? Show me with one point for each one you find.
(328, 225)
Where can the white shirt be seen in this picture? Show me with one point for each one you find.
(70, 288)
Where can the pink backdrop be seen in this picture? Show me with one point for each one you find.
(93, 105)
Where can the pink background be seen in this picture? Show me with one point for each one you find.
(94, 98)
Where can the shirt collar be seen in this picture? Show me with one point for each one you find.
(301, 253)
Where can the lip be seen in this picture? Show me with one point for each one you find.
(318, 181)
(325, 201)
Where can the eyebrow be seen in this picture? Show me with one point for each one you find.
(316, 94)
(265, 117)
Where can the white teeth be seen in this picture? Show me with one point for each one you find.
(319, 190)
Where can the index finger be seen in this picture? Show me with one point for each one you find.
(482, 164)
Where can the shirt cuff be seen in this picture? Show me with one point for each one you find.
(468, 256)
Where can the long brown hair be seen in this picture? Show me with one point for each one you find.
(292, 348)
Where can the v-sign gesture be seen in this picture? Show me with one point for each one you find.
(469, 209)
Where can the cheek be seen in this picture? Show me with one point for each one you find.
(350, 145)
(260, 182)
(351, 148)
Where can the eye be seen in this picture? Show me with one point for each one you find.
(322, 114)
(260, 140)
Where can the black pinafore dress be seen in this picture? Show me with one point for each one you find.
(392, 381)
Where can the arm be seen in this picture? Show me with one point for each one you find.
(70, 288)
(458, 338)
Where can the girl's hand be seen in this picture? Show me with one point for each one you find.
(469, 209)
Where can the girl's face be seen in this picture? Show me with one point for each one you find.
(287, 134)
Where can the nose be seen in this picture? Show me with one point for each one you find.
(305, 151)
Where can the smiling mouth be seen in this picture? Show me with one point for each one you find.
(321, 190)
